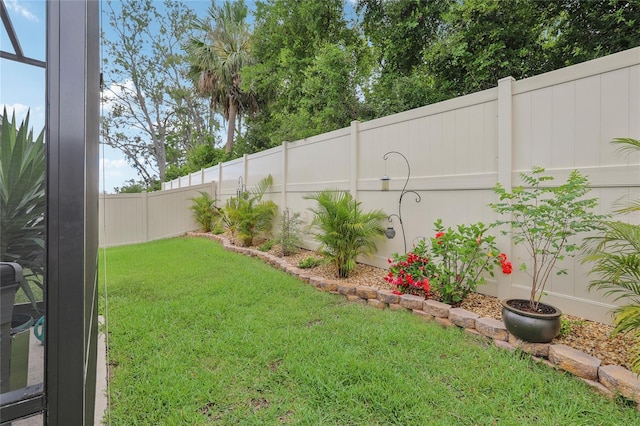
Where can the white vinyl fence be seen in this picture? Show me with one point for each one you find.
(138, 218)
(457, 150)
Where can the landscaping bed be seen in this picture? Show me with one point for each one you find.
(590, 337)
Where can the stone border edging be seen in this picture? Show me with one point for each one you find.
(609, 380)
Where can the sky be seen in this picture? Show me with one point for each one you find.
(22, 87)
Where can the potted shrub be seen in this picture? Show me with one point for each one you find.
(22, 200)
(544, 219)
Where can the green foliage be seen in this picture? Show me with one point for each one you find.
(22, 199)
(309, 65)
(290, 237)
(153, 109)
(310, 262)
(205, 212)
(267, 245)
(343, 230)
(131, 186)
(248, 215)
(459, 257)
(217, 61)
(616, 257)
(226, 339)
(545, 219)
(451, 265)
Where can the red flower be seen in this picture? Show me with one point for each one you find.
(503, 257)
(389, 260)
(507, 268)
(425, 285)
(396, 292)
(439, 234)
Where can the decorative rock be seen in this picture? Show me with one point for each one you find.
(422, 314)
(473, 332)
(387, 296)
(574, 361)
(619, 379)
(305, 276)
(356, 299)
(366, 292)
(315, 281)
(411, 301)
(292, 270)
(598, 386)
(329, 285)
(376, 303)
(443, 321)
(504, 345)
(396, 307)
(436, 309)
(492, 328)
(346, 289)
(537, 349)
(463, 318)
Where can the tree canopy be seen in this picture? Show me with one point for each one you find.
(292, 69)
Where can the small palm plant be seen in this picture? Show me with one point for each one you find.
(616, 257)
(22, 199)
(205, 211)
(248, 215)
(344, 231)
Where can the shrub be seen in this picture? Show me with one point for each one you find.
(451, 265)
(289, 236)
(408, 271)
(205, 211)
(344, 231)
(545, 219)
(309, 262)
(22, 200)
(616, 257)
(248, 216)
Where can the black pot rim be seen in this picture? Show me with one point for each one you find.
(505, 305)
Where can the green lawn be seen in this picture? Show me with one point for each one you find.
(198, 335)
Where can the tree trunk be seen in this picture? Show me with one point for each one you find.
(233, 110)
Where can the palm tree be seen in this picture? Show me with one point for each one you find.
(616, 257)
(217, 62)
(344, 231)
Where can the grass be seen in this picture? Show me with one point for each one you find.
(202, 336)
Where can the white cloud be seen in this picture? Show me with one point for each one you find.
(19, 110)
(18, 8)
(114, 168)
(114, 92)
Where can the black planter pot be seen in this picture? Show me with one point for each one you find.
(531, 326)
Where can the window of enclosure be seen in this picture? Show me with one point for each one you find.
(22, 206)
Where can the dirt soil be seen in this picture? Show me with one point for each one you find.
(590, 337)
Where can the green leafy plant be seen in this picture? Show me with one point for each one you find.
(544, 219)
(451, 264)
(267, 245)
(343, 230)
(289, 236)
(408, 272)
(616, 257)
(248, 215)
(310, 262)
(22, 200)
(205, 211)
(460, 256)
